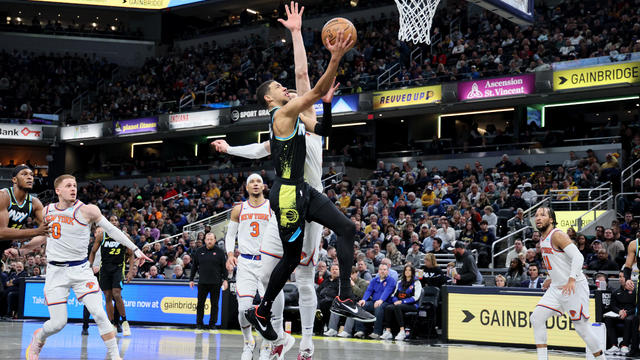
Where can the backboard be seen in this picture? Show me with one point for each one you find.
(518, 11)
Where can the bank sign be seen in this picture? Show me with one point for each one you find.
(492, 88)
(624, 73)
(20, 132)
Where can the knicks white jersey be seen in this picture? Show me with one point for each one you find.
(252, 226)
(70, 233)
(557, 262)
(313, 161)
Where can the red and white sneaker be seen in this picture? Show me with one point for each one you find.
(33, 350)
(306, 354)
(281, 347)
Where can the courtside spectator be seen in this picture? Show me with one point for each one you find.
(375, 299)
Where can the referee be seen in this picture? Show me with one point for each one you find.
(209, 260)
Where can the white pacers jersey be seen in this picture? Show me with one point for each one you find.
(70, 233)
(557, 262)
(253, 222)
(313, 161)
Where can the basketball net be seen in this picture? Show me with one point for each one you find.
(415, 19)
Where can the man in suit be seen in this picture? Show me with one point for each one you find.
(534, 281)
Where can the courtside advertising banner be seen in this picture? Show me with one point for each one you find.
(194, 119)
(135, 126)
(621, 73)
(339, 105)
(88, 131)
(407, 97)
(162, 303)
(20, 132)
(491, 88)
(492, 315)
(133, 4)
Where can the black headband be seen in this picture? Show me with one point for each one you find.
(19, 168)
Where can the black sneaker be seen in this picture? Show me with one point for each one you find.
(350, 309)
(262, 324)
(119, 328)
(85, 331)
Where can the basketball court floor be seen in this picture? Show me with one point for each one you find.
(161, 343)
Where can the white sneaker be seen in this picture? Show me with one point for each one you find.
(359, 334)
(624, 350)
(344, 334)
(33, 350)
(330, 332)
(126, 329)
(401, 335)
(265, 350)
(386, 335)
(247, 350)
(612, 350)
(281, 347)
(374, 336)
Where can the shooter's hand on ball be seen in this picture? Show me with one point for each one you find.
(340, 46)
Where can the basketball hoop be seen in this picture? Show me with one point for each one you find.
(415, 19)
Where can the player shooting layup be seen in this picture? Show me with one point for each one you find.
(68, 267)
(271, 244)
(294, 201)
(567, 289)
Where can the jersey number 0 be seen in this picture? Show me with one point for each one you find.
(55, 231)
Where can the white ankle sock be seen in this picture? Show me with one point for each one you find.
(112, 348)
(542, 353)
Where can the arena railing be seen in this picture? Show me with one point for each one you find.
(494, 255)
(618, 202)
(602, 139)
(593, 211)
(385, 77)
(335, 178)
(218, 223)
(528, 213)
(210, 88)
(631, 173)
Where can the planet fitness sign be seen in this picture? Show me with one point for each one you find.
(491, 88)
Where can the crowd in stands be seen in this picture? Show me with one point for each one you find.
(45, 83)
(57, 26)
(405, 216)
(571, 30)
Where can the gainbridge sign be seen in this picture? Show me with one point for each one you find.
(567, 219)
(491, 315)
(624, 73)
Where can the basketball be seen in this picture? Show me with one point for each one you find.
(331, 28)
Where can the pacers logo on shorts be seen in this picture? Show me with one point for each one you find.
(289, 216)
(91, 284)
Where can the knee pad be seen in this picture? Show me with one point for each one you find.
(306, 288)
(244, 303)
(56, 324)
(539, 324)
(583, 328)
(93, 303)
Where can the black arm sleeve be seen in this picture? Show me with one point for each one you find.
(627, 273)
(323, 128)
